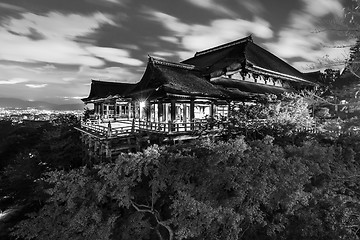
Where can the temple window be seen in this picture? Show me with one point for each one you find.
(222, 110)
(201, 111)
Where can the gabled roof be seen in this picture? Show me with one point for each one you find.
(101, 89)
(239, 54)
(227, 56)
(315, 77)
(174, 78)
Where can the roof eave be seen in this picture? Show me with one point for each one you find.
(253, 67)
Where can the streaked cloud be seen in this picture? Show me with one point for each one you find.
(198, 37)
(67, 45)
(36, 85)
(221, 31)
(69, 79)
(114, 55)
(10, 69)
(119, 74)
(171, 23)
(45, 73)
(14, 81)
(58, 43)
(47, 67)
(213, 6)
(77, 97)
(253, 6)
(320, 8)
(12, 7)
(112, 2)
(300, 40)
(169, 39)
(162, 54)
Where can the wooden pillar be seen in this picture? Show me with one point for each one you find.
(148, 112)
(129, 110)
(172, 115)
(172, 110)
(229, 108)
(192, 113)
(160, 111)
(115, 110)
(211, 110)
(133, 109)
(184, 112)
(95, 108)
(184, 116)
(101, 109)
(104, 106)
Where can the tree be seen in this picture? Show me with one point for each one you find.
(285, 119)
(205, 190)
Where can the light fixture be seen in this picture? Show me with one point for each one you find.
(142, 104)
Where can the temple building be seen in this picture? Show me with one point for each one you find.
(175, 99)
(108, 99)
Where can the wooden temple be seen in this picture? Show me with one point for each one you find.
(173, 100)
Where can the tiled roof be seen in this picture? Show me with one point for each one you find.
(175, 78)
(250, 87)
(101, 89)
(236, 55)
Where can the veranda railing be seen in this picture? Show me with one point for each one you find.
(172, 127)
(119, 127)
(109, 129)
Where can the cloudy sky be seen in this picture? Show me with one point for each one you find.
(51, 49)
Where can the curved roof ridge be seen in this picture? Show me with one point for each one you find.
(226, 45)
(163, 62)
(111, 82)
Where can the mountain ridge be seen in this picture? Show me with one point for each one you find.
(41, 105)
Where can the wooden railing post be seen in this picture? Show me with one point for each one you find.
(170, 126)
(109, 130)
(133, 126)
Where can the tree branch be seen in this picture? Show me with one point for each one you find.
(353, 72)
(147, 209)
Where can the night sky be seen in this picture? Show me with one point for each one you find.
(51, 49)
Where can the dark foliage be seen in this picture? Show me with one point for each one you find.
(26, 153)
(208, 190)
